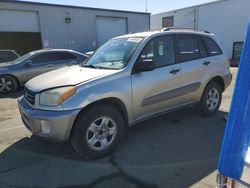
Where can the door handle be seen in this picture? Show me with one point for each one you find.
(174, 71)
(49, 65)
(206, 63)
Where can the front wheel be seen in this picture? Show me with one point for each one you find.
(97, 131)
(211, 99)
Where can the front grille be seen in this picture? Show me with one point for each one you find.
(29, 96)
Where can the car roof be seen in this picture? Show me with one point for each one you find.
(55, 50)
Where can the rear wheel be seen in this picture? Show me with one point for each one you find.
(97, 131)
(7, 84)
(211, 99)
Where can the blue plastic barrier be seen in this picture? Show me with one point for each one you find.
(237, 134)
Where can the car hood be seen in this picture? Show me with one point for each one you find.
(72, 75)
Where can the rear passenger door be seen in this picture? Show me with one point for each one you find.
(196, 66)
(61, 59)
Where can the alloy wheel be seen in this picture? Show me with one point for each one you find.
(6, 85)
(101, 133)
(213, 99)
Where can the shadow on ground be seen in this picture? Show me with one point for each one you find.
(13, 95)
(173, 150)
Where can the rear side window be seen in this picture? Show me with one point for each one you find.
(187, 48)
(53, 56)
(66, 56)
(212, 47)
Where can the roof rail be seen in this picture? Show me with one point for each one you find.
(176, 28)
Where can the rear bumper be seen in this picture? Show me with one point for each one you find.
(58, 123)
(227, 80)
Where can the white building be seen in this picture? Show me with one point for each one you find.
(226, 18)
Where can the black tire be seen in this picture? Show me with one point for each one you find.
(11, 84)
(81, 131)
(204, 107)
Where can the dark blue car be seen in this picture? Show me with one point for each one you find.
(19, 71)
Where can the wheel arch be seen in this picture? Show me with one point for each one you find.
(113, 101)
(219, 80)
(13, 76)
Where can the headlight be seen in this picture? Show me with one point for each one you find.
(56, 96)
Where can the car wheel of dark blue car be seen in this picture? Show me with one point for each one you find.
(7, 84)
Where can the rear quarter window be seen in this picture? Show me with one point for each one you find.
(211, 46)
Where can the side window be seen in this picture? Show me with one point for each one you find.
(148, 51)
(52, 56)
(203, 52)
(41, 58)
(188, 48)
(212, 47)
(160, 50)
(65, 56)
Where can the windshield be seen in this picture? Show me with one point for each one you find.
(21, 58)
(115, 54)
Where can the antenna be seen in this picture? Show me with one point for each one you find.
(146, 5)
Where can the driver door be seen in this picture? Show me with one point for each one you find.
(37, 65)
(160, 89)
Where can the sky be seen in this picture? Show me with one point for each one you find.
(153, 6)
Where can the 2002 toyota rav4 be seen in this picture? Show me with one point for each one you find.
(128, 79)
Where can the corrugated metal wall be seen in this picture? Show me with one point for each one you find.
(80, 34)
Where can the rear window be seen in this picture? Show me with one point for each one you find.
(6, 56)
(212, 47)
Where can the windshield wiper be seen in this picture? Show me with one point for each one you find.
(91, 66)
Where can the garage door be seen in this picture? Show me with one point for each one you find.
(19, 21)
(19, 31)
(109, 27)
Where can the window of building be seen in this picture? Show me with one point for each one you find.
(212, 47)
(168, 21)
(237, 50)
(160, 50)
(188, 48)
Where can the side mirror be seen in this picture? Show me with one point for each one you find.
(146, 65)
(28, 63)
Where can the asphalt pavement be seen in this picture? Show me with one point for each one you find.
(179, 149)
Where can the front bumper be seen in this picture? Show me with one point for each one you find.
(58, 123)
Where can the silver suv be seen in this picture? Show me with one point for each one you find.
(127, 80)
